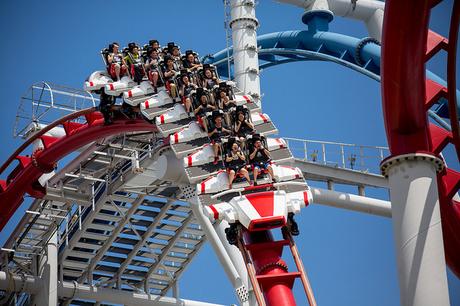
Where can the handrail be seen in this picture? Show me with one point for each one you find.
(42, 132)
(336, 143)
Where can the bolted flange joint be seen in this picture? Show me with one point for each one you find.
(391, 161)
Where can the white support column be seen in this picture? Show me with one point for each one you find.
(245, 56)
(48, 294)
(225, 257)
(236, 258)
(417, 229)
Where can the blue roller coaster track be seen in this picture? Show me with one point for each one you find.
(318, 44)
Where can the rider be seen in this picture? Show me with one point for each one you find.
(116, 65)
(191, 62)
(174, 51)
(154, 44)
(209, 80)
(169, 74)
(186, 91)
(236, 162)
(242, 126)
(217, 131)
(203, 108)
(134, 61)
(223, 101)
(260, 160)
(151, 65)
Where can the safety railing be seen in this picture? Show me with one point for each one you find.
(44, 103)
(337, 154)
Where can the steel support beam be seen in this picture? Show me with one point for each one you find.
(315, 171)
(67, 290)
(48, 294)
(351, 202)
(115, 233)
(145, 237)
(221, 252)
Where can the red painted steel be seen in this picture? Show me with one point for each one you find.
(406, 94)
(405, 28)
(24, 178)
(277, 282)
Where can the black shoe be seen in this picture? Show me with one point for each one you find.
(294, 229)
(232, 234)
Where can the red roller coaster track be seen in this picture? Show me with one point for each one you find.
(24, 178)
(407, 95)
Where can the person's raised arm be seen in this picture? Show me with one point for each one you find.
(197, 110)
(253, 154)
(212, 132)
(228, 158)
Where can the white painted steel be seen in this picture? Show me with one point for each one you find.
(230, 259)
(67, 290)
(368, 11)
(19, 283)
(48, 293)
(246, 62)
(351, 202)
(418, 233)
(237, 260)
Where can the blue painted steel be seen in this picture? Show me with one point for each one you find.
(292, 46)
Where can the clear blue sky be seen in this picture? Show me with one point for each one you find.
(349, 256)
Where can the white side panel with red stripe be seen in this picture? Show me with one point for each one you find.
(276, 143)
(116, 88)
(259, 118)
(242, 99)
(175, 113)
(97, 80)
(213, 184)
(160, 99)
(192, 131)
(221, 211)
(258, 207)
(201, 157)
(297, 200)
(136, 92)
(286, 173)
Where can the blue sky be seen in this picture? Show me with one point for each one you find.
(349, 256)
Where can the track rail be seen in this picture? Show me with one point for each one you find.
(407, 95)
(24, 177)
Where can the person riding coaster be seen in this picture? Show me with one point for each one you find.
(134, 61)
(259, 157)
(152, 45)
(191, 61)
(216, 131)
(203, 108)
(169, 73)
(242, 123)
(152, 67)
(187, 88)
(116, 65)
(174, 51)
(235, 162)
(208, 77)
